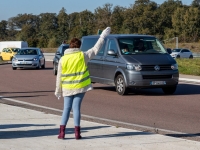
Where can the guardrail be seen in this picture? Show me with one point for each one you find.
(196, 55)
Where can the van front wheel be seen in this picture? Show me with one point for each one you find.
(120, 85)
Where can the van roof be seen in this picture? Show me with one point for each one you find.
(120, 35)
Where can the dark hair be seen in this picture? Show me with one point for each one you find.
(75, 43)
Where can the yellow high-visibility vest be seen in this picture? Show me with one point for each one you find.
(75, 74)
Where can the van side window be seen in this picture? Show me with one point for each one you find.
(112, 45)
(88, 43)
(101, 51)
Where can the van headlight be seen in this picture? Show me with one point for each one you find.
(133, 67)
(174, 66)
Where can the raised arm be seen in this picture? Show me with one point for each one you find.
(94, 50)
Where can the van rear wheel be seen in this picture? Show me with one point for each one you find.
(120, 85)
(169, 90)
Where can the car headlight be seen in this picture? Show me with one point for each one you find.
(174, 55)
(174, 66)
(14, 59)
(133, 67)
(35, 59)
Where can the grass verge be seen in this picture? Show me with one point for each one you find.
(189, 66)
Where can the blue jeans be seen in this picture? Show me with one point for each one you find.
(72, 102)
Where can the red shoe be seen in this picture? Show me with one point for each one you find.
(62, 132)
(77, 132)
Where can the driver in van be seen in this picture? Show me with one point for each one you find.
(139, 46)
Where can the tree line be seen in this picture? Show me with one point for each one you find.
(170, 19)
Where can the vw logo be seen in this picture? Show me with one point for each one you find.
(157, 68)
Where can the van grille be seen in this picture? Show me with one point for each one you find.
(157, 76)
(151, 67)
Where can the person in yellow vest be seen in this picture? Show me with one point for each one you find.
(73, 80)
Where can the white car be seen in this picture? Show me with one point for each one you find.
(181, 53)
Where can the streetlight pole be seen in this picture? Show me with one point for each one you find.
(176, 42)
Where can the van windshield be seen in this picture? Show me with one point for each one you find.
(132, 45)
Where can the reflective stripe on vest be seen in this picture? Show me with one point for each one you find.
(75, 74)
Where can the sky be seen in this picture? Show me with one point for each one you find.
(11, 8)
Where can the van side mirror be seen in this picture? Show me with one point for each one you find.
(169, 50)
(111, 52)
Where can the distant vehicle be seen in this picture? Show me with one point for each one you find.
(29, 57)
(12, 44)
(181, 53)
(8, 53)
(59, 53)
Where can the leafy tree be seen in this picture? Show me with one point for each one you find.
(117, 19)
(3, 31)
(192, 23)
(86, 23)
(47, 26)
(26, 32)
(63, 30)
(103, 16)
(165, 11)
(144, 17)
(128, 24)
(52, 43)
(178, 20)
(195, 3)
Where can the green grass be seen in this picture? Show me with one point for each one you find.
(189, 66)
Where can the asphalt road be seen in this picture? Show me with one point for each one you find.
(146, 107)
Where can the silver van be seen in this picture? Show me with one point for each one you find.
(132, 61)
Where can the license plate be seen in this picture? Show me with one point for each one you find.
(23, 62)
(157, 82)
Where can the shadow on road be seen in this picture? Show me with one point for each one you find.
(9, 126)
(182, 89)
(26, 92)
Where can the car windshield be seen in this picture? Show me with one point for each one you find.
(176, 50)
(27, 52)
(15, 49)
(141, 45)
